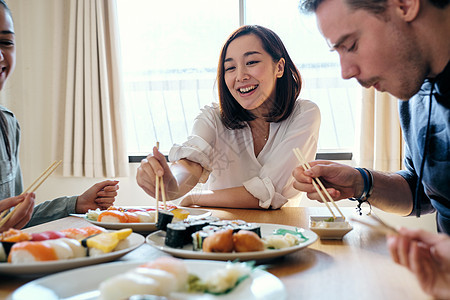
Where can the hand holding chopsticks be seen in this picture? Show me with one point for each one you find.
(320, 188)
(159, 183)
(31, 189)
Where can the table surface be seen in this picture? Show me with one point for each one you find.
(357, 267)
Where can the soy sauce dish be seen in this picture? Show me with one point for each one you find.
(329, 228)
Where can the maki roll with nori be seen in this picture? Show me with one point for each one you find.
(175, 235)
(164, 217)
(194, 226)
(198, 238)
(251, 227)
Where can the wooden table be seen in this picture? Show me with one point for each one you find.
(357, 267)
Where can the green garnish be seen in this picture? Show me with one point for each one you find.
(195, 284)
(330, 219)
(282, 231)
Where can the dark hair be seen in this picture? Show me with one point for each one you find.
(373, 6)
(288, 87)
(5, 6)
(3, 122)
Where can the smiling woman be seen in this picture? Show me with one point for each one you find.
(170, 72)
(242, 148)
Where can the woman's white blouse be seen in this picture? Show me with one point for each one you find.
(229, 160)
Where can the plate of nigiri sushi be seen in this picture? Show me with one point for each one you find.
(168, 277)
(139, 219)
(230, 240)
(53, 251)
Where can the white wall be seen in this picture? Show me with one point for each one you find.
(29, 90)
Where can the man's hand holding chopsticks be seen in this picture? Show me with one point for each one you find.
(22, 214)
(341, 181)
(100, 195)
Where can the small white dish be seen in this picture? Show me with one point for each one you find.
(328, 229)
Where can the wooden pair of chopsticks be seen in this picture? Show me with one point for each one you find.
(32, 188)
(380, 226)
(318, 184)
(159, 182)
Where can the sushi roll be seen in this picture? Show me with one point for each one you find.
(192, 227)
(164, 217)
(251, 227)
(176, 235)
(198, 238)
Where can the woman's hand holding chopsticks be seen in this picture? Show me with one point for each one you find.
(153, 167)
(22, 214)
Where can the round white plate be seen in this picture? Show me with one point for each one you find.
(139, 227)
(83, 283)
(156, 239)
(135, 241)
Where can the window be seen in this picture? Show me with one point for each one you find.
(170, 51)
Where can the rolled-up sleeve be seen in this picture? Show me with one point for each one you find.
(264, 190)
(194, 149)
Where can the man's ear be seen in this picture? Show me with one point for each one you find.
(407, 9)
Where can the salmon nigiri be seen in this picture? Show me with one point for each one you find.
(112, 216)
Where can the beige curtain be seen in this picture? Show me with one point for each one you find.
(91, 131)
(380, 139)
